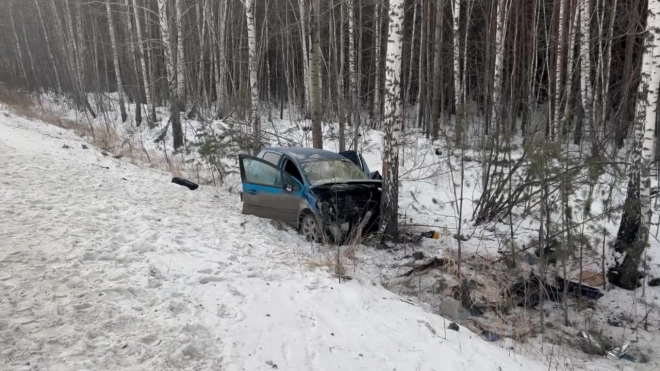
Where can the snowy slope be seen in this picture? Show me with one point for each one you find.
(108, 266)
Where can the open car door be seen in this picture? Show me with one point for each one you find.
(358, 160)
(268, 192)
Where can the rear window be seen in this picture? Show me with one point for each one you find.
(272, 157)
(324, 171)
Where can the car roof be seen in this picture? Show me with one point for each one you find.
(307, 154)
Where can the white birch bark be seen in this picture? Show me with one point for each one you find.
(180, 61)
(585, 66)
(570, 63)
(627, 257)
(500, 36)
(304, 36)
(48, 47)
(340, 79)
(392, 120)
(561, 51)
(142, 56)
(352, 79)
(168, 52)
(646, 108)
(115, 59)
(377, 63)
(456, 8)
(254, 83)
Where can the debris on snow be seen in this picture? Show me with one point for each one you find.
(186, 183)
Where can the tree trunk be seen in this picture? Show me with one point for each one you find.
(168, 52)
(254, 83)
(48, 48)
(392, 120)
(437, 68)
(352, 79)
(570, 64)
(180, 61)
(559, 64)
(585, 69)
(27, 46)
(340, 80)
(421, 92)
(632, 237)
(502, 15)
(315, 71)
(143, 64)
(456, 7)
(304, 36)
(377, 108)
(220, 65)
(18, 45)
(115, 59)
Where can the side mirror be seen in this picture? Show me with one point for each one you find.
(288, 188)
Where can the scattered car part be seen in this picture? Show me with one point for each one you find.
(186, 183)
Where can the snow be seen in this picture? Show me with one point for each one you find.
(106, 265)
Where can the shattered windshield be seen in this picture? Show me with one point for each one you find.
(331, 171)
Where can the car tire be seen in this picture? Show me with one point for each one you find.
(311, 228)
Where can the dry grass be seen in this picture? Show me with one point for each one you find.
(129, 147)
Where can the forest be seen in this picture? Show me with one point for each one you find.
(551, 96)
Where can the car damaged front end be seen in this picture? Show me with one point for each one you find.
(348, 209)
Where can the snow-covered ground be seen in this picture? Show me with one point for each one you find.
(105, 265)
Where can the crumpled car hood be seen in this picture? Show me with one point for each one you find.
(357, 182)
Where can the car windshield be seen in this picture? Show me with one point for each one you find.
(331, 171)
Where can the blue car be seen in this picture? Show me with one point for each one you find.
(326, 196)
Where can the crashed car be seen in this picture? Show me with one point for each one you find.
(326, 196)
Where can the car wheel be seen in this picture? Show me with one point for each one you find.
(310, 228)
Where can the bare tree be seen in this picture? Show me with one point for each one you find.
(633, 234)
(390, 199)
(115, 58)
(315, 71)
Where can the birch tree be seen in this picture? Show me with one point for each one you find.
(180, 61)
(377, 63)
(585, 67)
(115, 59)
(421, 90)
(254, 83)
(218, 36)
(304, 36)
(168, 52)
(352, 72)
(456, 7)
(49, 48)
(142, 56)
(315, 71)
(437, 68)
(392, 121)
(633, 234)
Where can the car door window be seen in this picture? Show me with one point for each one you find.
(291, 169)
(272, 157)
(288, 180)
(260, 173)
